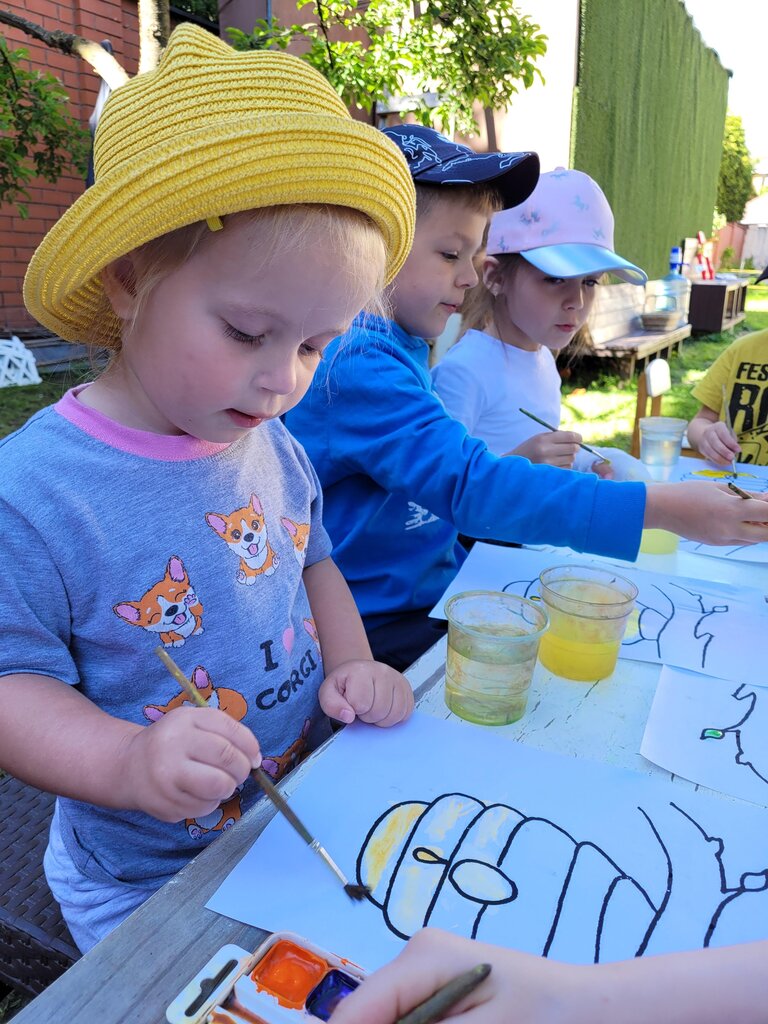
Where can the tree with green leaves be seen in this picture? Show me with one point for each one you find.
(40, 138)
(436, 58)
(734, 186)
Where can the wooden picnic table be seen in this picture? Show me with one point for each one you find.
(135, 972)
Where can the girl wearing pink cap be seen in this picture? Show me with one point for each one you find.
(541, 272)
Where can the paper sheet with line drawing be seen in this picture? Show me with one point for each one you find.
(694, 624)
(711, 731)
(455, 826)
(749, 478)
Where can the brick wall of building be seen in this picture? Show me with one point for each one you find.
(115, 20)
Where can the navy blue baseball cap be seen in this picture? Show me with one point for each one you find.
(435, 160)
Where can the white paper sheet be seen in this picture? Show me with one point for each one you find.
(749, 478)
(694, 624)
(711, 731)
(454, 826)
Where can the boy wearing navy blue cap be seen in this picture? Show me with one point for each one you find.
(401, 478)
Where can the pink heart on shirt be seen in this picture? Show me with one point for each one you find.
(288, 638)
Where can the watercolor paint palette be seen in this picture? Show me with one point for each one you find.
(286, 980)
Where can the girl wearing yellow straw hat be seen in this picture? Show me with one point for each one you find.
(239, 220)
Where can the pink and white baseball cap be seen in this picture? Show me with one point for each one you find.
(565, 228)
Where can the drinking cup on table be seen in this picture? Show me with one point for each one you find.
(588, 612)
(493, 640)
(661, 439)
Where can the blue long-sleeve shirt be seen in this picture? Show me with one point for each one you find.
(401, 478)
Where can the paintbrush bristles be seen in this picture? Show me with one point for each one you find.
(357, 892)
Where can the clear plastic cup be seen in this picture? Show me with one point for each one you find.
(661, 439)
(493, 640)
(588, 611)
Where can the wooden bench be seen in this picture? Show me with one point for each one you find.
(615, 331)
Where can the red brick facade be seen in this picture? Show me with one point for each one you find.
(115, 20)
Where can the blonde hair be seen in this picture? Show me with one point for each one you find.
(477, 309)
(280, 227)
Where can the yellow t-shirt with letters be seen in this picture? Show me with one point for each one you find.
(743, 369)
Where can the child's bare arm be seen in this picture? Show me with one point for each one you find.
(709, 435)
(702, 987)
(707, 513)
(355, 686)
(179, 767)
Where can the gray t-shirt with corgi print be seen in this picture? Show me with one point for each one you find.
(116, 541)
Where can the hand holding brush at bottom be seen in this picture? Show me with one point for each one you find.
(706, 986)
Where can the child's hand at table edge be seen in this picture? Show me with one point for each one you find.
(710, 514)
(368, 690)
(187, 762)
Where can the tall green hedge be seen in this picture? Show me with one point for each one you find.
(648, 122)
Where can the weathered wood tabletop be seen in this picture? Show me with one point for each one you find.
(132, 976)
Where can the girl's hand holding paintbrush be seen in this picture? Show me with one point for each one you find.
(184, 764)
(555, 448)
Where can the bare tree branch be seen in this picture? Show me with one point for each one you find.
(93, 53)
(154, 29)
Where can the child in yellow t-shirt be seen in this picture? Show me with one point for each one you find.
(740, 375)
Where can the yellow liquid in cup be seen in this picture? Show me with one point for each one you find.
(579, 647)
(658, 542)
(572, 659)
(487, 685)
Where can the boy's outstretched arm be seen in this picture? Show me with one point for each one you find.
(707, 513)
(711, 437)
(355, 686)
(181, 766)
(707, 986)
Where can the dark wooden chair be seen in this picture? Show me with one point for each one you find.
(35, 945)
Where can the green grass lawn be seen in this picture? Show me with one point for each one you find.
(602, 407)
(17, 404)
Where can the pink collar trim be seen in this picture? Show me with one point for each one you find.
(165, 447)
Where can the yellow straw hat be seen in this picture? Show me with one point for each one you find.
(212, 131)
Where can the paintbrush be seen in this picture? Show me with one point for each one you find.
(727, 417)
(738, 490)
(436, 1006)
(549, 426)
(355, 892)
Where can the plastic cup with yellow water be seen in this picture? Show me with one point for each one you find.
(493, 640)
(588, 611)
